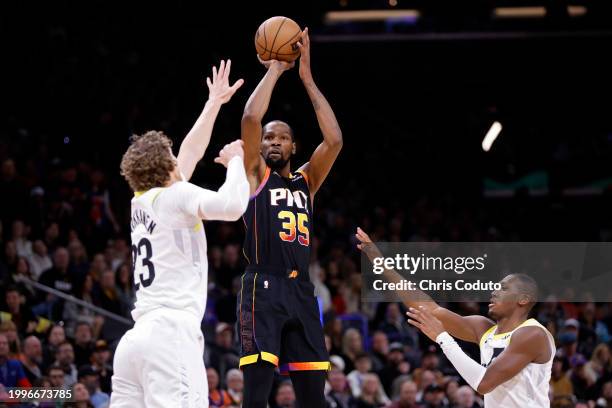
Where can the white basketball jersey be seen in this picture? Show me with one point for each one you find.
(529, 388)
(168, 252)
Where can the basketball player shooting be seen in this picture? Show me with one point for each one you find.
(511, 374)
(159, 363)
(278, 313)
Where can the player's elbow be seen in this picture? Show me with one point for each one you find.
(486, 386)
(335, 141)
(238, 204)
(249, 117)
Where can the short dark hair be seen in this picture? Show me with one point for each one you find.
(527, 286)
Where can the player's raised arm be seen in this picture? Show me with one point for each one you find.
(528, 345)
(468, 328)
(230, 201)
(195, 143)
(326, 153)
(254, 111)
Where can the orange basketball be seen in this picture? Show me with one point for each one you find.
(276, 38)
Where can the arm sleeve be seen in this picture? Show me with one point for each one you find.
(227, 204)
(470, 370)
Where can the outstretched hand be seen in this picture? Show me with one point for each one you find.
(426, 322)
(219, 88)
(230, 151)
(366, 245)
(304, 46)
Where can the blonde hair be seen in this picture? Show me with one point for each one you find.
(148, 162)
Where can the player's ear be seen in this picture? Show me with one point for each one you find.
(293, 148)
(524, 300)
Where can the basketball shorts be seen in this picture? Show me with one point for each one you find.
(279, 320)
(160, 363)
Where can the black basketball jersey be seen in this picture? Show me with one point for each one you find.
(278, 223)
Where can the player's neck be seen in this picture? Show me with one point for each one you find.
(285, 171)
(507, 324)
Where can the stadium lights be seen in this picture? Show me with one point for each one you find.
(534, 12)
(491, 135)
(347, 16)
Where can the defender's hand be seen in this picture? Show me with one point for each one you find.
(367, 246)
(219, 88)
(230, 151)
(423, 320)
(304, 46)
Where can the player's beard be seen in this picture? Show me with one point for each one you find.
(276, 164)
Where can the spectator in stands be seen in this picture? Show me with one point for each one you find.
(83, 343)
(22, 316)
(59, 278)
(19, 237)
(231, 266)
(352, 345)
(57, 376)
(560, 384)
(22, 269)
(380, 350)
(396, 366)
(222, 355)
(10, 256)
(433, 397)
(370, 394)
(64, 358)
(107, 297)
(90, 379)
(397, 328)
(9, 329)
(11, 370)
(98, 266)
(407, 396)
(81, 397)
(32, 358)
(424, 380)
(101, 362)
(74, 313)
(568, 339)
(606, 395)
(466, 398)
(285, 396)
(56, 336)
(592, 331)
(78, 258)
(39, 260)
(363, 365)
(451, 387)
(235, 386)
(52, 237)
(125, 288)
(217, 396)
(600, 365)
(580, 382)
(339, 394)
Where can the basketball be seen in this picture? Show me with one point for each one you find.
(276, 38)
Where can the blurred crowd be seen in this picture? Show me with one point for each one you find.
(64, 225)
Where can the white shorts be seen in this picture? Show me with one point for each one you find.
(160, 363)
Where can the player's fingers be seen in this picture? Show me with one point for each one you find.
(208, 82)
(214, 73)
(228, 68)
(299, 44)
(222, 69)
(237, 85)
(359, 246)
(415, 324)
(218, 160)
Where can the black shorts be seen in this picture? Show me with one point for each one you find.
(279, 321)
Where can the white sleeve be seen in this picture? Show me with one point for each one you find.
(227, 204)
(470, 370)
